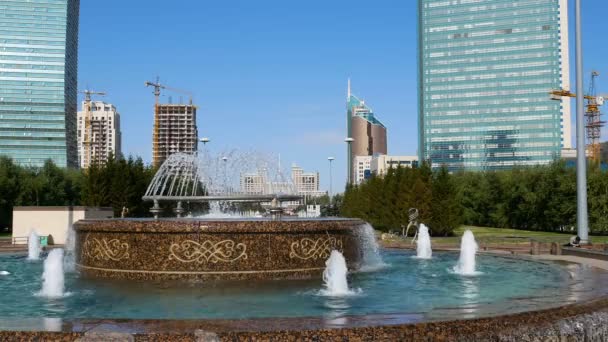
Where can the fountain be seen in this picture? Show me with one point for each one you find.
(334, 276)
(33, 246)
(248, 255)
(277, 246)
(423, 243)
(53, 277)
(468, 249)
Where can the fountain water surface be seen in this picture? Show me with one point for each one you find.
(423, 244)
(53, 277)
(468, 249)
(33, 246)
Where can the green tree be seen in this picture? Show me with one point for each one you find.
(445, 210)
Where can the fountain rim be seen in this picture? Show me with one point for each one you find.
(285, 225)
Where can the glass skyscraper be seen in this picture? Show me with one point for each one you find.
(486, 68)
(38, 73)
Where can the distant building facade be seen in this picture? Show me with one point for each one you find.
(302, 183)
(99, 134)
(485, 71)
(174, 131)
(367, 132)
(362, 167)
(254, 183)
(306, 183)
(38, 94)
(380, 164)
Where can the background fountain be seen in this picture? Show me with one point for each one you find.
(53, 278)
(468, 249)
(33, 246)
(423, 243)
(334, 276)
(220, 181)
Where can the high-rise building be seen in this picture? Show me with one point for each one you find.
(367, 132)
(38, 73)
(174, 131)
(255, 183)
(486, 68)
(306, 183)
(101, 121)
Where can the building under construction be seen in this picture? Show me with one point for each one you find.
(174, 131)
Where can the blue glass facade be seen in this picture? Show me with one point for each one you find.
(38, 75)
(486, 68)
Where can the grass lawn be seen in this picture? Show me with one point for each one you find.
(487, 236)
(5, 235)
(513, 236)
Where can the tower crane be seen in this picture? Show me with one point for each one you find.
(594, 123)
(593, 118)
(87, 140)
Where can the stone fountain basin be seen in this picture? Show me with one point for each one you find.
(219, 249)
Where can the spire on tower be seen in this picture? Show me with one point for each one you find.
(348, 91)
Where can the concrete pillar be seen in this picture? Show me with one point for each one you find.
(535, 247)
(556, 248)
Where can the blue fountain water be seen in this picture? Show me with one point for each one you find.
(406, 285)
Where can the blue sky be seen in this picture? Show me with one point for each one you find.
(271, 75)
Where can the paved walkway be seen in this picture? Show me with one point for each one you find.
(579, 260)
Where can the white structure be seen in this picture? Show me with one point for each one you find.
(105, 133)
(52, 221)
(303, 183)
(362, 164)
(570, 153)
(312, 210)
(306, 183)
(381, 163)
(254, 183)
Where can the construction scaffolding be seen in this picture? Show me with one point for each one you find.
(174, 126)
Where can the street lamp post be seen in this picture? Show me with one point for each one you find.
(581, 162)
(204, 140)
(331, 159)
(225, 159)
(349, 163)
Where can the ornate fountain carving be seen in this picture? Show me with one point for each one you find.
(223, 251)
(106, 250)
(314, 249)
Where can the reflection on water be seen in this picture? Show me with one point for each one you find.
(470, 292)
(52, 324)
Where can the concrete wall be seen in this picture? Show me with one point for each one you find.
(53, 221)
